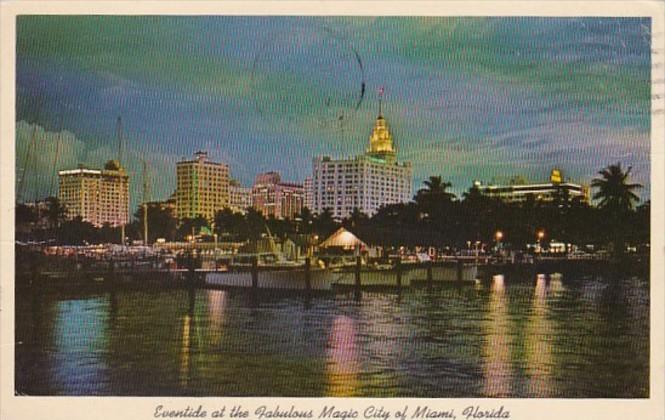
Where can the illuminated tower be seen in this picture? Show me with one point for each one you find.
(366, 182)
(381, 141)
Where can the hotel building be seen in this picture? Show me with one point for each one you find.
(367, 182)
(272, 197)
(544, 192)
(97, 196)
(309, 193)
(202, 187)
(240, 198)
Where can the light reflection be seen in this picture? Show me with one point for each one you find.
(342, 366)
(185, 350)
(80, 335)
(217, 302)
(386, 336)
(187, 335)
(556, 285)
(497, 354)
(538, 345)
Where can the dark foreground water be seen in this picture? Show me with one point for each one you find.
(536, 337)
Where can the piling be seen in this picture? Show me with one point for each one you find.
(255, 272)
(190, 267)
(111, 273)
(460, 270)
(34, 278)
(308, 274)
(430, 280)
(358, 267)
(398, 272)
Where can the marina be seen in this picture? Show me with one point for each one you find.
(93, 267)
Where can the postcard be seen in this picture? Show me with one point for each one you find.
(332, 210)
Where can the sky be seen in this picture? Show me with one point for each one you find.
(466, 98)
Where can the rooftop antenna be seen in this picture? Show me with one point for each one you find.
(145, 202)
(381, 90)
(118, 130)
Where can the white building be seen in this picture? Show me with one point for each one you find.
(240, 198)
(309, 193)
(517, 192)
(366, 182)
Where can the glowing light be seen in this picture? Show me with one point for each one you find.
(497, 352)
(342, 358)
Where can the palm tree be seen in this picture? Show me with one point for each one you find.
(356, 219)
(614, 193)
(325, 224)
(617, 198)
(436, 188)
(433, 199)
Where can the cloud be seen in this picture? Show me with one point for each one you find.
(41, 179)
(36, 151)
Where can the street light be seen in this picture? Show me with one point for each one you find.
(498, 235)
(539, 236)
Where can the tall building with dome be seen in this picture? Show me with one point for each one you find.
(97, 196)
(366, 182)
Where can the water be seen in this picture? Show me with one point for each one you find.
(535, 337)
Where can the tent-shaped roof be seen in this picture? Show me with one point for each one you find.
(342, 238)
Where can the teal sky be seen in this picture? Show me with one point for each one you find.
(466, 98)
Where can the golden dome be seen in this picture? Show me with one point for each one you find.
(381, 141)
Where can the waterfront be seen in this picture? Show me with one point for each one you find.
(536, 336)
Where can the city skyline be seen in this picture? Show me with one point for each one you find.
(467, 98)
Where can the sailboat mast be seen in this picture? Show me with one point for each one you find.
(145, 203)
(28, 155)
(118, 131)
(56, 157)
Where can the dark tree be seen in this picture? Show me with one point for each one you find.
(161, 222)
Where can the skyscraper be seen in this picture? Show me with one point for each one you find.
(367, 182)
(97, 196)
(202, 187)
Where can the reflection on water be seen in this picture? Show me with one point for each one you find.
(538, 345)
(79, 341)
(216, 307)
(185, 351)
(497, 346)
(342, 366)
(545, 336)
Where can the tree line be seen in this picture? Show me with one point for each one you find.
(435, 217)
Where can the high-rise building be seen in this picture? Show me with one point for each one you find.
(97, 196)
(309, 193)
(272, 197)
(545, 191)
(240, 197)
(202, 187)
(367, 182)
